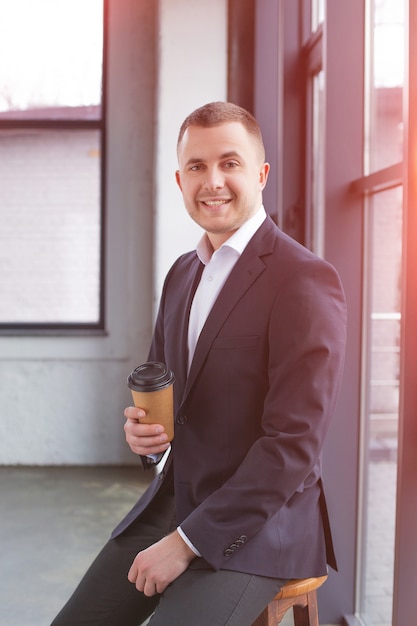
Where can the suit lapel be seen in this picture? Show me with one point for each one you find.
(188, 290)
(244, 274)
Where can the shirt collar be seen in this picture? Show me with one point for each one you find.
(237, 242)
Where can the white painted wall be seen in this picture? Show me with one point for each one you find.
(192, 72)
(61, 398)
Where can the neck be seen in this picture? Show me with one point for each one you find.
(217, 239)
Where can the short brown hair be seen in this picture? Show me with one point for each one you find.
(217, 113)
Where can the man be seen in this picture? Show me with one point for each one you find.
(253, 326)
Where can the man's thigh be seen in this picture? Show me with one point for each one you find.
(210, 598)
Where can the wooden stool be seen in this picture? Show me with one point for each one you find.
(300, 594)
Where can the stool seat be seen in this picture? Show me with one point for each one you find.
(301, 595)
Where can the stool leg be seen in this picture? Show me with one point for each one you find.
(307, 615)
(265, 618)
(305, 611)
(272, 614)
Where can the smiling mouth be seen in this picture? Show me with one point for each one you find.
(215, 203)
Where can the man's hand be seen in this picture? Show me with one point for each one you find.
(156, 567)
(144, 439)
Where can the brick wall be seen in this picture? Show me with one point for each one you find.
(50, 226)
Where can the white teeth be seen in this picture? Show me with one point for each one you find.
(215, 202)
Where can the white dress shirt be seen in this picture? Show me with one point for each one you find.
(218, 265)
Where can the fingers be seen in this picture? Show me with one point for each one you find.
(134, 413)
(144, 439)
(157, 566)
(144, 582)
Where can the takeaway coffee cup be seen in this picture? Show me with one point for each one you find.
(151, 385)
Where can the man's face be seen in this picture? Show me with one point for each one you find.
(221, 175)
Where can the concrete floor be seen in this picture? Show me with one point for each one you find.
(53, 521)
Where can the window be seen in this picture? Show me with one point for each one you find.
(318, 10)
(315, 236)
(51, 164)
(384, 220)
(315, 122)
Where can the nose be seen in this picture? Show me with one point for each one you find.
(213, 179)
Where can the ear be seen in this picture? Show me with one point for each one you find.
(178, 179)
(263, 175)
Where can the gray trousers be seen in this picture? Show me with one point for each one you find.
(201, 597)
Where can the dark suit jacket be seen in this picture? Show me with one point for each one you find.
(252, 415)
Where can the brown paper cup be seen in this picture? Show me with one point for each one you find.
(152, 386)
(158, 406)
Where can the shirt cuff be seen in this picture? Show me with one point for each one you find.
(157, 458)
(187, 541)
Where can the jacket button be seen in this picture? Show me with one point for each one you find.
(181, 419)
(228, 552)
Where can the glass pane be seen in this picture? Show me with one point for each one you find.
(50, 226)
(317, 217)
(387, 52)
(383, 406)
(318, 12)
(51, 55)
(384, 244)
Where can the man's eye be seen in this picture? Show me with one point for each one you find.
(231, 164)
(195, 168)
